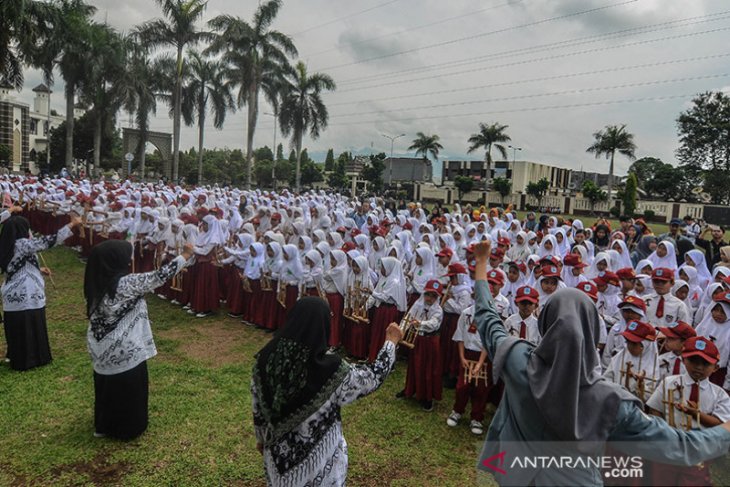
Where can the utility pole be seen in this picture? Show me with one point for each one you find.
(392, 141)
(273, 150)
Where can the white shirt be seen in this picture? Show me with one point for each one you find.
(666, 364)
(24, 287)
(501, 304)
(466, 331)
(674, 310)
(514, 323)
(458, 302)
(428, 316)
(712, 398)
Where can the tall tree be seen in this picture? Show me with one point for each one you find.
(612, 139)
(425, 145)
(302, 109)
(488, 136)
(329, 161)
(206, 89)
(254, 53)
(26, 26)
(503, 186)
(178, 31)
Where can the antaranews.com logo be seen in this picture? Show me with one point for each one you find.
(612, 467)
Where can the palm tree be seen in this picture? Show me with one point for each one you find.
(488, 136)
(302, 108)
(206, 83)
(25, 27)
(274, 86)
(609, 140)
(142, 81)
(103, 86)
(180, 32)
(67, 48)
(425, 145)
(251, 51)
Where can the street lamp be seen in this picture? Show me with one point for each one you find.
(392, 141)
(514, 151)
(273, 150)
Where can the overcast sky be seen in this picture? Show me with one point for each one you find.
(554, 71)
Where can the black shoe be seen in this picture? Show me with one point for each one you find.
(427, 405)
(401, 394)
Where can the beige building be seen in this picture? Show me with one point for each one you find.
(519, 172)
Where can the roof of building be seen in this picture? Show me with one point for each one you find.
(41, 88)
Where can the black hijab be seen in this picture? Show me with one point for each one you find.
(15, 228)
(294, 375)
(602, 242)
(108, 262)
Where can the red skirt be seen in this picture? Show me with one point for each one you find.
(477, 391)
(292, 295)
(412, 298)
(718, 376)
(337, 305)
(205, 294)
(312, 291)
(236, 298)
(356, 338)
(381, 317)
(449, 348)
(189, 278)
(423, 378)
(256, 311)
(271, 308)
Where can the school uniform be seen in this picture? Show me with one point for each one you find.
(476, 390)
(525, 328)
(424, 374)
(670, 363)
(453, 307)
(666, 309)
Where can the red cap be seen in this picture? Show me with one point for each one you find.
(526, 293)
(433, 286)
(636, 331)
(722, 298)
(341, 230)
(347, 246)
(626, 273)
(679, 329)
(726, 280)
(607, 277)
(496, 277)
(445, 252)
(472, 265)
(633, 302)
(276, 216)
(702, 347)
(589, 288)
(549, 260)
(571, 260)
(355, 232)
(520, 265)
(455, 269)
(503, 241)
(663, 274)
(470, 248)
(497, 253)
(550, 271)
(407, 226)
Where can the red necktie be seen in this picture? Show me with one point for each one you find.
(660, 308)
(523, 329)
(675, 370)
(694, 394)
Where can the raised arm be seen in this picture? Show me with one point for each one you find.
(489, 324)
(367, 378)
(135, 285)
(30, 246)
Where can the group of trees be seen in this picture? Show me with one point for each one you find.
(157, 61)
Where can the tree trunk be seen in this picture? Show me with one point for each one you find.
(177, 99)
(299, 161)
(251, 129)
(487, 164)
(141, 148)
(201, 129)
(70, 89)
(610, 178)
(97, 143)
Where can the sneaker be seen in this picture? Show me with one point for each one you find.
(162, 296)
(234, 315)
(174, 301)
(203, 315)
(190, 311)
(186, 307)
(427, 406)
(453, 419)
(99, 435)
(401, 394)
(476, 427)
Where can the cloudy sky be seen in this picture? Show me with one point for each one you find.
(554, 71)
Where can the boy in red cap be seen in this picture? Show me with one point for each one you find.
(523, 324)
(443, 259)
(663, 307)
(471, 355)
(495, 259)
(458, 299)
(637, 362)
(548, 282)
(423, 377)
(627, 276)
(675, 336)
(694, 397)
(495, 278)
(608, 298)
(630, 309)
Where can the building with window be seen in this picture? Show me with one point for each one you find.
(519, 172)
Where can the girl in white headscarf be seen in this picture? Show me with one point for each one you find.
(377, 251)
(291, 275)
(716, 324)
(388, 300)
(519, 251)
(356, 334)
(644, 267)
(313, 272)
(205, 295)
(706, 301)
(549, 247)
(334, 285)
(423, 270)
(254, 311)
(601, 263)
(235, 264)
(624, 256)
(694, 291)
(664, 256)
(562, 243)
(696, 259)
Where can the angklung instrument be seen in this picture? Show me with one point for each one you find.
(472, 374)
(409, 327)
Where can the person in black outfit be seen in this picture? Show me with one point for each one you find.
(711, 247)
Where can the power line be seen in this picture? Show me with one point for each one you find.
(533, 80)
(542, 47)
(537, 95)
(418, 27)
(483, 34)
(534, 60)
(348, 16)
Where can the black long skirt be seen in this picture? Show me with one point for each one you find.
(27, 338)
(120, 409)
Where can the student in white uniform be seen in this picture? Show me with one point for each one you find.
(675, 336)
(523, 324)
(662, 307)
(630, 309)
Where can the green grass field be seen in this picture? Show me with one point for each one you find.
(200, 429)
